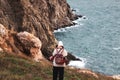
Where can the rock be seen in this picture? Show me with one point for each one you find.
(1, 50)
(18, 43)
(86, 71)
(116, 77)
(72, 57)
(3, 34)
(3, 38)
(38, 17)
(32, 44)
(3, 31)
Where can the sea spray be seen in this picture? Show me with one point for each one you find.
(77, 22)
(78, 63)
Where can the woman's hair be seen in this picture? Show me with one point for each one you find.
(56, 46)
(61, 46)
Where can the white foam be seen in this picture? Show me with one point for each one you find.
(78, 20)
(77, 63)
(117, 48)
(60, 30)
(65, 29)
(73, 26)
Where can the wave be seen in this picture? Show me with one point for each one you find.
(78, 24)
(65, 29)
(74, 63)
(116, 48)
(77, 63)
(60, 30)
(80, 19)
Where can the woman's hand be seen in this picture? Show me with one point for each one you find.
(51, 58)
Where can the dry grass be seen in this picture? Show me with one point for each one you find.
(13, 67)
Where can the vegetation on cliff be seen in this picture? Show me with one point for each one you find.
(13, 67)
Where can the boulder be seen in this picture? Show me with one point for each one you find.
(3, 38)
(116, 77)
(32, 44)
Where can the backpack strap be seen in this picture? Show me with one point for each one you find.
(58, 52)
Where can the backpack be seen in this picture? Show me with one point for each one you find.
(59, 58)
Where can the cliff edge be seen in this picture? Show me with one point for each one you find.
(26, 27)
(38, 17)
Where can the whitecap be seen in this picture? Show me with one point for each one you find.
(117, 48)
(77, 63)
(60, 30)
(78, 20)
(78, 24)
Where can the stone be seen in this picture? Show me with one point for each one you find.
(3, 38)
(32, 44)
(3, 31)
(116, 77)
(1, 50)
(38, 17)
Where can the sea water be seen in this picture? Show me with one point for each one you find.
(95, 38)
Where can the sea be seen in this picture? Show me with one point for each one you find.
(95, 39)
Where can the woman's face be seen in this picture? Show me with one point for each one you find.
(60, 47)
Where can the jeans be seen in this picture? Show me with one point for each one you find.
(58, 72)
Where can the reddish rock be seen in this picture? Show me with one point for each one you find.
(31, 44)
(38, 17)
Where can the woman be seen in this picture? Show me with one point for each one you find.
(58, 69)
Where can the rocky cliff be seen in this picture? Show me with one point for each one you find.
(26, 27)
(38, 17)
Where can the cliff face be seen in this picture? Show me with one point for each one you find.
(38, 17)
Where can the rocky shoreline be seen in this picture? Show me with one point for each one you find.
(37, 17)
(26, 26)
